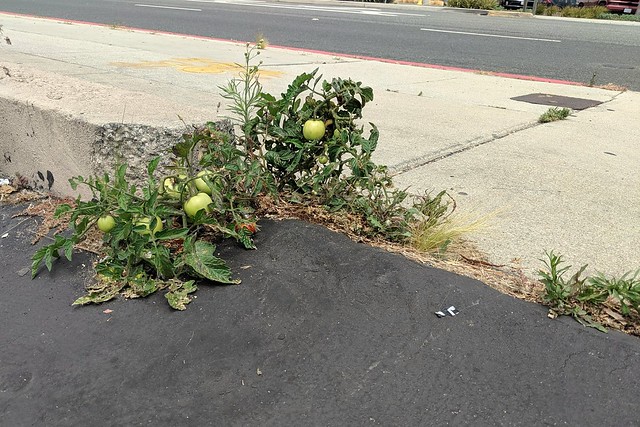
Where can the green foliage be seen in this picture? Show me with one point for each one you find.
(154, 245)
(548, 10)
(583, 12)
(578, 296)
(554, 114)
(140, 262)
(335, 171)
(592, 12)
(474, 4)
(294, 161)
(617, 17)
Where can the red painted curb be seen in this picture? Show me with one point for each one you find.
(320, 52)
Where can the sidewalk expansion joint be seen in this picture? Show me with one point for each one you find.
(412, 164)
(418, 162)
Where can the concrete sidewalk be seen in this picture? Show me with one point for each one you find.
(571, 186)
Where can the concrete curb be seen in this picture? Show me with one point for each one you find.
(74, 127)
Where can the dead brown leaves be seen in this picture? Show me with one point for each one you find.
(44, 207)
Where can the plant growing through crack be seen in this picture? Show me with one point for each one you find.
(554, 114)
(584, 298)
(162, 235)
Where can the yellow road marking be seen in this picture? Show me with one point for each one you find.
(195, 65)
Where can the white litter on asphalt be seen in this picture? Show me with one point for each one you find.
(451, 310)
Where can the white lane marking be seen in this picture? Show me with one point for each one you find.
(490, 35)
(169, 7)
(350, 10)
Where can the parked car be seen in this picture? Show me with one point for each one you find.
(519, 4)
(622, 6)
(516, 4)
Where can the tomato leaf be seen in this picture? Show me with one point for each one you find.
(36, 259)
(161, 259)
(172, 234)
(153, 164)
(178, 295)
(103, 294)
(120, 176)
(62, 209)
(68, 249)
(246, 240)
(200, 257)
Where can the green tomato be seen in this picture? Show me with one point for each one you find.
(168, 188)
(201, 185)
(146, 222)
(197, 203)
(172, 188)
(106, 223)
(323, 159)
(313, 129)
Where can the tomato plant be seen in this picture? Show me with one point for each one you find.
(305, 146)
(143, 257)
(291, 125)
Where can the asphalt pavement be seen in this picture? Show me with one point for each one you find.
(322, 331)
(325, 331)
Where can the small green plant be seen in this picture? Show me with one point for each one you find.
(474, 4)
(554, 114)
(624, 291)
(584, 297)
(561, 294)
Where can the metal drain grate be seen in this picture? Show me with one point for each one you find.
(558, 101)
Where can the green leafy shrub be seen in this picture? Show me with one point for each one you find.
(583, 12)
(474, 4)
(548, 10)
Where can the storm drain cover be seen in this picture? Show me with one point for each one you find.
(558, 101)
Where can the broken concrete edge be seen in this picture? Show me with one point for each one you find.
(54, 128)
